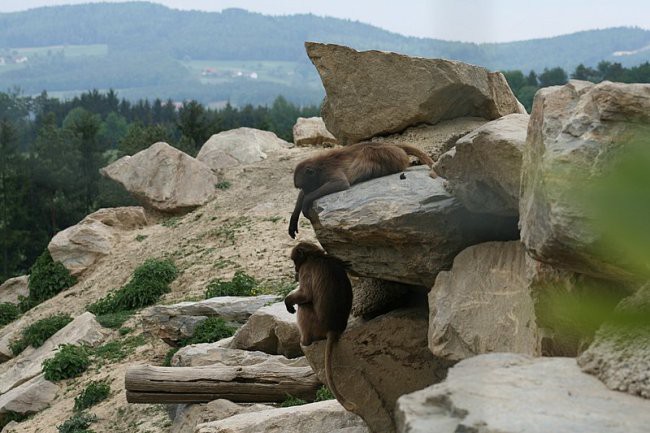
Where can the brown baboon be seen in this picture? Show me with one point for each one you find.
(324, 300)
(336, 169)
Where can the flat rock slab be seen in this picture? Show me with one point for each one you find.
(197, 355)
(404, 230)
(189, 415)
(373, 93)
(508, 393)
(30, 397)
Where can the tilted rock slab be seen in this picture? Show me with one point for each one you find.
(80, 246)
(483, 304)
(197, 355)
(311, 131)
(404, 230)
(175, 322)
(189, 415)
(239, 146)
(484, 171)
(84, 329)
(377, 361)
(620, 353)
(271, 329)
(509, 393)
(322, 417)
(574, 135)
(164, 178)
(373, 93)
(12, 288)
(30, 397)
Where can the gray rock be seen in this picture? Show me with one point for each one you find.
(188, 416)
(374, 93)
(508, 393)
(484, 171)
(164, 178)
(30, 397)
(576, 133)
(197, 355)
(272, 330)
(13, 288)
(377, 361)
(403, 230)
(372, 297)
(483, 304)
(311, 131)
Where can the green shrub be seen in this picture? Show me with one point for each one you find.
(324, 393)
(148, 283)
(117, 350)
(69, 361)
(38, 332)
(94, 393)
(223, 185)
(114, 320)
(8, 313)
(78, 423)
(47, 278)
(292, 401)
(167, 362)
(210, 330)
(241, 284)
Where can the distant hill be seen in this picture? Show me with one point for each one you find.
(147, 50)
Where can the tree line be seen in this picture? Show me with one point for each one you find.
(51, 151)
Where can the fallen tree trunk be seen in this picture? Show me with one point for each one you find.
(255, 383)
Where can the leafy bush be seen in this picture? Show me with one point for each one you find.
(167, 362)
(38, 332)
(8, 313)
(292, 401)
(69, 361)
(324, 393)
(78, 423)
(223, 185)
(117, 350)
(210, 330)
(47, 278)
(114, 320)
(148, 283)
(241, 284)
(94, 393)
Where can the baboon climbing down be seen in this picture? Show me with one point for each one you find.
(337, 169)
(324, 300)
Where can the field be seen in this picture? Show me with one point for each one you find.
(68, 51)
(223, 71)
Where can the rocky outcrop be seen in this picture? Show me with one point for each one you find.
(372, 297)
(13, 288)
(80, 246)
(30, 397)
(197, 355)
(484, 171)
(377, 361)
(312, 131)
(483, 304)
(576, 132)
(373, 93)
(164, 178)
(321, 417)
(402, 229)
(187, 416)
(272, 330)
(239, 146)
(510, 393)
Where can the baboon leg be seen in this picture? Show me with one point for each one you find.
(293, 222)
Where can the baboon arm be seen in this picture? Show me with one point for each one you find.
(293, 222)
(335, 185)
(296, 297)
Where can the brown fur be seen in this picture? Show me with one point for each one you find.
(324, 301)
(337, 169)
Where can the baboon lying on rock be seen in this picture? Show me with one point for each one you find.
(337, 169)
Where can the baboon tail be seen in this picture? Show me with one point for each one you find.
(418, 153)
(331, 339)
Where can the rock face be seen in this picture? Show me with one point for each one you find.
(174, 322)
(322, 417)
(270, 329)
(164, 178)
(28, 398)
(372, 297)
(483, 304)
(484, 171)
(510, 393)
(575, 133)
(620, 353)
(373, 93)
(188, 416)
(377, 361)
(12, 288)
(312, 132)
(80, 246)
(238, 146)
(197, 355)
(403, 230)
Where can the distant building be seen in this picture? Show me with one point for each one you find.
(20, 59)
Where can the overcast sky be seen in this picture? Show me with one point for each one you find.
(464, 20)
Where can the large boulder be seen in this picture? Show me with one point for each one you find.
(188, 416)
(13, 288)
(311, 131)
(403, 228)
(483, 304)
(271, 329)
(239, 146)
(30, 397)
(197, 355)
(576, 134)
(484, 171)
(373, 93)
(511, 393)
(372, 297)
(164, 178)
(80, 246)
(377, 361)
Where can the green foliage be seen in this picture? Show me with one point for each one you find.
(148, 283)
(292, 401)
(78, 423)
(140, 238)
(117, 350)
(277, 287)
(47, 278)
(324, 393)
(171, 222)
(70, 361)
(94, 393)
(223, 185)
(37, 333)
(8, 313)
(552, 77)
(114, 320)
(167, 362)
(241, 284)
(210, 330)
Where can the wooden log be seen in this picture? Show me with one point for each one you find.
(265, 382)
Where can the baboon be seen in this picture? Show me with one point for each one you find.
(336, 169)
(324, 300)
